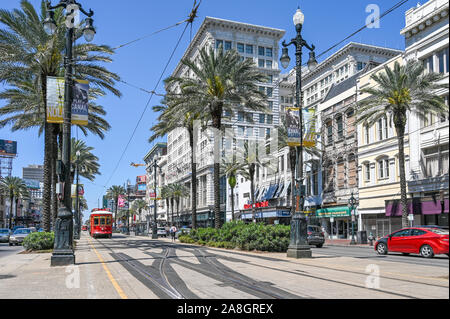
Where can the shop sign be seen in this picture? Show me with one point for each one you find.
(258, 205)
(333, 212)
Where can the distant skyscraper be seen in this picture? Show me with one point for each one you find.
(35, 172)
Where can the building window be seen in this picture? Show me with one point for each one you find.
(340, 127)
(361, 65)
(330, 133)
(270, 79)
(249, 49)
(261, 63)
(269, 64)
(428, 64)
(367, 172)
(262, 89)
(367, 135)
(382, 129)
(219, 43)
(249, 117)
(241, 131)
(270, 105)
(227, 45)
(240, 47)
(443, 60)
(269, 119)
(261, 51)
(383, 169)
(240, 116)
(269, 92)
(262, 118)
(436, 160)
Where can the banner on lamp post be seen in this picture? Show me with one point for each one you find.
(309, 118)
(293, 126)
(55, 101)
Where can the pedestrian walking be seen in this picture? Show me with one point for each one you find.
(173, 231)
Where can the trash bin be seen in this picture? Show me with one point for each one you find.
(362, 237)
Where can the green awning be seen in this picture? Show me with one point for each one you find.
(342, 211)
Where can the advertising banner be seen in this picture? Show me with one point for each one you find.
(121, 201)
(55, 101)
(309, 118)
(155, 195)
(142, 187)
(8, 147)
(80, 190)
(293, 126)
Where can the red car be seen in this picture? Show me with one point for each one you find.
(415, 240)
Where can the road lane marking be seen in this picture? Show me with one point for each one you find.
(110, 276)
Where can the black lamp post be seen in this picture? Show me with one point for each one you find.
(77, 228)
(128, 211)
(298, 247)
(352, 205)
(155, 226)
(63, 250)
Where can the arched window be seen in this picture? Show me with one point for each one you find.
(352, 174)
(383, 168)
(340, 173)
(340, 126)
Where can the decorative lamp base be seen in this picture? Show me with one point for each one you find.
(299, 252)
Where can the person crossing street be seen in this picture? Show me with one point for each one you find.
(173, 231)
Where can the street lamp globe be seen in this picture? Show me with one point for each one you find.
(49, 23)
(285, 59)
(299, 17)
(89, 31)
(312, 62)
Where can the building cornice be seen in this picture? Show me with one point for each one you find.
(425, 16)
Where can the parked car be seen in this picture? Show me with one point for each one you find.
(316, 237)
(33, 229)
(182, 231)
(17, 227)
(415, 240)
(17, 237)
(161, 231)
(4, 235)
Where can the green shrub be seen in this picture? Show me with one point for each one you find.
(186, 239)
(39, 241)
(273, 238)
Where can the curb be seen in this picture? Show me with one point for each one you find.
(348, 246)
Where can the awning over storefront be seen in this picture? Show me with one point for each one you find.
(285, 190)
(271, 192)
(278, 192)
(417, 207)
(261, 194)
(342, 211)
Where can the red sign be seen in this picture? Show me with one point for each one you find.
(258, 205)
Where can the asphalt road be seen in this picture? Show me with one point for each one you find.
(370, 254)
(6, 250)
(178, 271)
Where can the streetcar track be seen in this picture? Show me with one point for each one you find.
(229, 275)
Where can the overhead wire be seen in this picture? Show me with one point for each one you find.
(189, 21)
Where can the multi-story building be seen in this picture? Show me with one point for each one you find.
(378, 164)
(34, 172)
(427, 39)
(157, 154)
(260, 44)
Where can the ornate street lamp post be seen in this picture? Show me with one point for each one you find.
(77, 229)
(155, 226)
(352, 204)
(63, 250)
(128, 211)
(298, 247)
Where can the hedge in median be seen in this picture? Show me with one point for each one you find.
(39, 241)
(273, 238)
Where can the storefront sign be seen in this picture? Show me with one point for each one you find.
(342, 211)
(258, 205)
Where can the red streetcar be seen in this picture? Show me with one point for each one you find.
(100, 223)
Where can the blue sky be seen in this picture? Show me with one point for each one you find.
(141, 63)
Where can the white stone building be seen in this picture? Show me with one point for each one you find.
(426, 35)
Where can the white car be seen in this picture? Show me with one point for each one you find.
(161, 231)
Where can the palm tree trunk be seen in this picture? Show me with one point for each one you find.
(252, 191)
(17, 209)
(292, 157)
(171, 205)
(217, 124)
(11, 199)
(193, 181)
(400, 129)
(232, 203)
(47, 191)
(178, 212)
(54, 202)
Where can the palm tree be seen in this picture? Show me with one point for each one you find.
(82, 157)
(221, 82)
(14, 188)
(230, 169)
(27, 57)
(179, 191)
(113, 193)
(166, 194)
(399, 91)
(173, 116)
